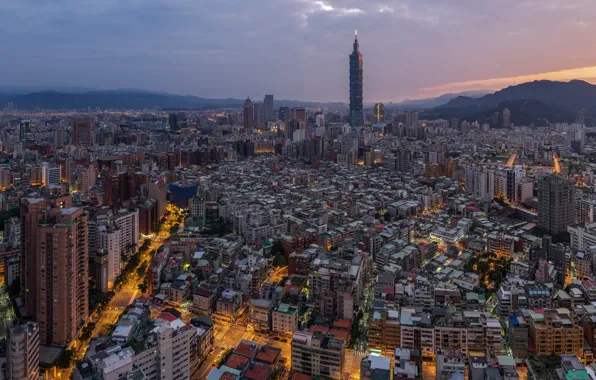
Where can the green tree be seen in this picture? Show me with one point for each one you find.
(65, 359)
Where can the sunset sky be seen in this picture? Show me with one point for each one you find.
(295, 49)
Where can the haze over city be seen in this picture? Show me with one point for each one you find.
(295, 49)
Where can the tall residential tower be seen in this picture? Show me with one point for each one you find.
(356, 113)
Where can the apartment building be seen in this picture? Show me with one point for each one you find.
(55, 264)
(22, 352)
(284, 319)
(556, 331)
(318, 354)
(384, 331)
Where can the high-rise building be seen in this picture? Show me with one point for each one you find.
(259, 115)
(52, 175)
(556, 204)
(173, 121)
(506, 118)
(59, 138)
(54, 242)
(22, 352)
(157, 190)
(298, 114)
(284, 113)
(356, 99)
(379, 113)
(248, 114)
(269, 112)
(82, 131)
(403, 160)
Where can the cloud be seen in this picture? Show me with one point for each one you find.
(583, 73)
(292, 48)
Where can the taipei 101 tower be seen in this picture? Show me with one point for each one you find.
(356, 115)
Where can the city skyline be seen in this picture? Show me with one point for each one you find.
(516, 43)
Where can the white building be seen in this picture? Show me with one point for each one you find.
(318, 354)
(284, 319)
(582, 236)
(128, 224)
(109, 241)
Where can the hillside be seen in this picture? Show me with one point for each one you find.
(523, 112)
(574, 96)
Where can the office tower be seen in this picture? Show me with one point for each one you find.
(259, 115)
(556, 204)
(506, 118)
(22, 352)
(54, 242)
(82, 131)
(59, 138)
(356, 60)
(173, 121)
(269, 113)
(157, 190)
(318, 354)
(284, 113)
(379, 113)
(298, 114)
(248, 114)
(23, 127)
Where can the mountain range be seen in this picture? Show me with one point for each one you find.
(535, 103)
(538, 103)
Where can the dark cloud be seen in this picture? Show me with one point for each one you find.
(292, 48)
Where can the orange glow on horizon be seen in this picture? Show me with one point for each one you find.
(584, 73)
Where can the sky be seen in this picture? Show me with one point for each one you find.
(295, 49)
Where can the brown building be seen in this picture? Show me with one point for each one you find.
(556, 332)
(157, 190)
(54, 241)
(248, 114)
(384, 331)
(298, 114)
(82, 133)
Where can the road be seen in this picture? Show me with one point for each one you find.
(124, 296)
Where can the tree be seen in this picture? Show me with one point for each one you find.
(65, 359)
(143, 286)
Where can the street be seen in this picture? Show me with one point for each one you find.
(124, 296)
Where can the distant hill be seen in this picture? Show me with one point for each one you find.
(574, 95)
(116, 99)
(128, 99)
(535, 103)
(435, 102)
(523, 112)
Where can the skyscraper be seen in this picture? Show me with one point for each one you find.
(506, 118)
(379, 113)
(248, 114)
(556, 204)
(82, 133)
(284, 113)
(259, 115)
(298, 114)
(269, 113)
(54, 261)
(356, 114)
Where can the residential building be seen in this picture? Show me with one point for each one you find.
(318, 354)
(22, 352)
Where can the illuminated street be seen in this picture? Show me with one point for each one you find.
(124, 296)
